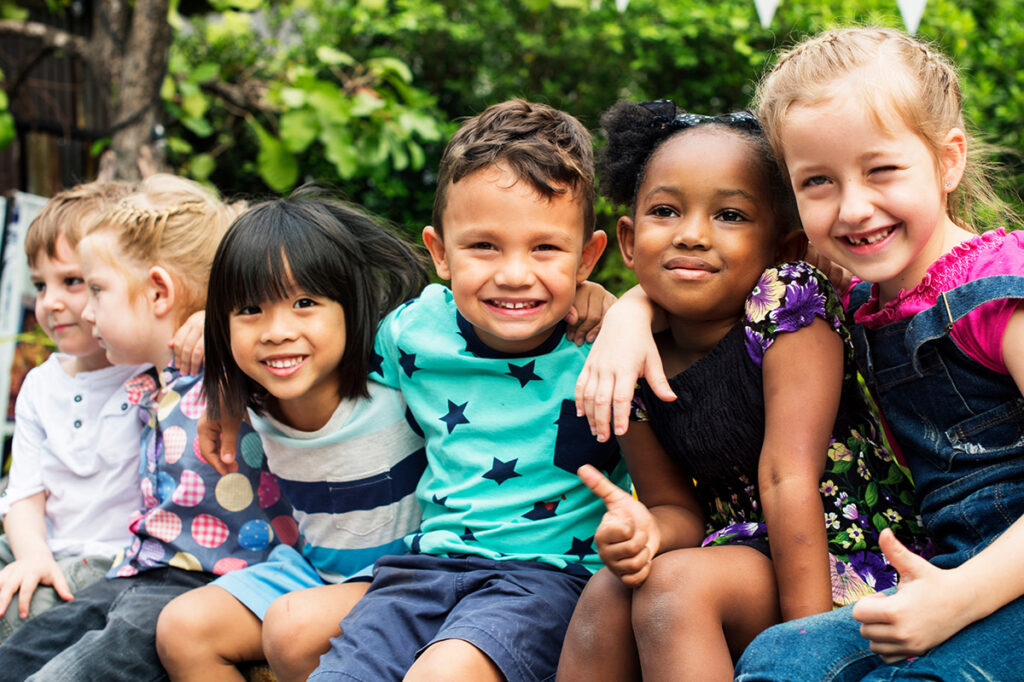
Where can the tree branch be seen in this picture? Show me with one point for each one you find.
(52, 38)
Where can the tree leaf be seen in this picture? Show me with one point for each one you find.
(277, 166)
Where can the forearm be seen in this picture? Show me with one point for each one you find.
(25, 526)
(799, 546)
(680, 527)
(991, 579)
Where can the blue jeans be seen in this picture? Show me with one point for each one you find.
(107, 633)
(828, 647)
(79, 571)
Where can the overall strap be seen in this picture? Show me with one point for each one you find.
(859, 295)
(951, 306)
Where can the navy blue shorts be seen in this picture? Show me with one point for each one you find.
(516, 612)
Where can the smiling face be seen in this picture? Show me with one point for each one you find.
(870, 199)
(61, 296)
(292, 347)
(514, 257)
(702, 230)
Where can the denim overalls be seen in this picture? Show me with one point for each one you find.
(959, 425)
(960, 428)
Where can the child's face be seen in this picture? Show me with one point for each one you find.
(514, 258)
(61, 297)
(118, 315)
(870, 200)
(292, 347)
(703, 230)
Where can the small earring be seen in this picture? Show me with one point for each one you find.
(949, 185)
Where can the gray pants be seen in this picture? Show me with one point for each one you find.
(79, 571)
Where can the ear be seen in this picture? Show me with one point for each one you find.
(952, 159)
(792, 246)
(627, 236)
(160, 291)
(592, 251)
(435, 245)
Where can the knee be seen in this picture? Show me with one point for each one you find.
(666, 595)
(176, 633)
(290, 642)
(603, 610)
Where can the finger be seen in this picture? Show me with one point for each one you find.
(601, 407)
(611, 494)
(6, 592)
(636, 579)
(196, 362)
(872, 609)
(616, 539)
(28, 588)
(621, 408)
(581, 383)
(60, 585)
(908, 564)
(655, 375)
(633, 563)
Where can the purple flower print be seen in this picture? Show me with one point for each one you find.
(756, 345)
(794, 269)
(765, 297)
(803, 302)
(873, 569)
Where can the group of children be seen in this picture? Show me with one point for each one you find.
(415, 491)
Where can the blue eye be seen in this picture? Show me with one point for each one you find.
(815, 181)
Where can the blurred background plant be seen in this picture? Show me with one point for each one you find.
(257, 96)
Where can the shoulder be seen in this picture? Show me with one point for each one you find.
(787, 298)
(434, 300)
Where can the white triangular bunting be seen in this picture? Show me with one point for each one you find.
(622, 5)
(766, 10)
(911, 11)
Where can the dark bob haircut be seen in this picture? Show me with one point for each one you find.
(314, 242)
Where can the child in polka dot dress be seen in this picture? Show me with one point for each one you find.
(145, 263)
(297, 288)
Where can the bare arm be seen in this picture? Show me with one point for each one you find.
(803, 374)
(33, 563)
(623, 352)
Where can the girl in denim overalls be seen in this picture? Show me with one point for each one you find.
(867, 123)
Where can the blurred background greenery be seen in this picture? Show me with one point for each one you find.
(261, 96)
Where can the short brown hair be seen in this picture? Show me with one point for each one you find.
(548, 148)
(70, 214)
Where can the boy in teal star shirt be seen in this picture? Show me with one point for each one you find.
(506, 545)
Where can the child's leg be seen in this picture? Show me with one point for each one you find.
(599, 644)
(453, 659)
(298, 627)
(699, 608)
(202, 634)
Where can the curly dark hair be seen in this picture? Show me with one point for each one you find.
(634, 131)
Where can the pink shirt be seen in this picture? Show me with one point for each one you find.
(979, 334)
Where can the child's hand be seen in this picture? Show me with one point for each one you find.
(588, 308)
(624, 351)
(922, 614)
(218, 440)
(187, 344)
(24, 575)
(796, 247)
(628, 537)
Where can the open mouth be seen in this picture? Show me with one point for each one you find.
(871, 238)
(284, 363)
(513, 305)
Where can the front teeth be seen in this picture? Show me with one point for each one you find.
(877, 237)
(283, 364)
(510, 305)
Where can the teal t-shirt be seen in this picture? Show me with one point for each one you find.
(502, 437)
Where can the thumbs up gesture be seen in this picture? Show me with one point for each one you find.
(628, 537)
(923, 613)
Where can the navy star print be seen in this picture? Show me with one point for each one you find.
(524, 374)
(582, 548)
(440, 500)
(376, 362)
(502, 471)
(468, 535)
(407, 361)
(541, 510)
(455, 415)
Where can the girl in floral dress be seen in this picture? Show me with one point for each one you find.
(762, 487)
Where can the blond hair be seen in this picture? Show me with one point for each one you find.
(69, 214)
(174, 223)
(897, 74)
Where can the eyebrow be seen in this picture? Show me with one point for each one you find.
(671, 189)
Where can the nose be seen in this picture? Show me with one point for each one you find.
(51, 300)
(87, 313)
(855, 204)
(278, 327)
(693, 232)
(515, 270)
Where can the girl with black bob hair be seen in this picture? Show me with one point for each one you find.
(297, 289)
